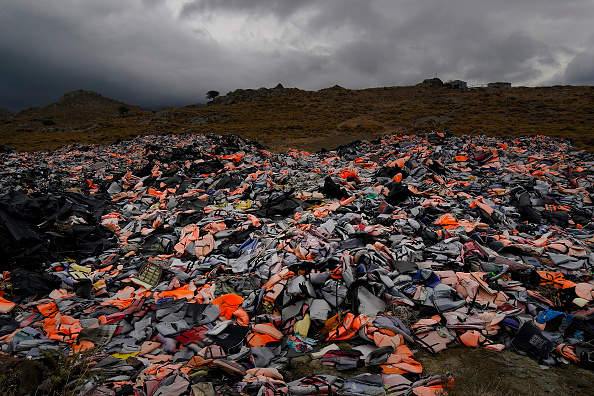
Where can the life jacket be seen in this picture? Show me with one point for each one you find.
(276, 284)
(48, 310)
(568, 352)
(536, 295)
(425, 334)
(556, 279)
(381, 339)
(189, 233)
(470, 249)
(346, 329)
(241, 316)
(228, 304)
(447, 221)
(260, 373)
(474, 338)
(401, 362)
(263, 334)
(585, 291)
(204, 245)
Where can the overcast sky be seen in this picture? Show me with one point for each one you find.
(156, 53)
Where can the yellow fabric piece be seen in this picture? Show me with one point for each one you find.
(81, 268)
(246, 204)
(580, 302)
(123, 356)
(302, 326)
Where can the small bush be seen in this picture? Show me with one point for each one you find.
(123, 110)
(66, 373)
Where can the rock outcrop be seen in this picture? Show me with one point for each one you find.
(252, 95)
(5, 114)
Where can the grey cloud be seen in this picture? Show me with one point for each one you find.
(319, 70)
(459, 41)
(365, 57)
(142, 52)
(280, 8)
(580, 71)
(153, 3)
(121, 53)
(361, 16)
(514, 58)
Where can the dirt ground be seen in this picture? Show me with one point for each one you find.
(477, 372)
(315, 143)
(489, 373)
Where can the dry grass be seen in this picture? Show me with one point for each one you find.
(481, 372)
(66, 373)
(326, 118)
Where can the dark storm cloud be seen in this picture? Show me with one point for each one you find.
(514, 57)
(399, 42)
(281, 9)
(152, 3)
(580, 71)
(365, 57)
(170, 52)
(120, 51)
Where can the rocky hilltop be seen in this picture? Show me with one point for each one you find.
(77, 108)
(5, 114)
(87, 100)
(252, 95)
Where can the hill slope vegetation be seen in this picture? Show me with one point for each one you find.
(289, 117)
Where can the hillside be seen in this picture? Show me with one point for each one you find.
(288, 117)
(79, 107)
(5, 114)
